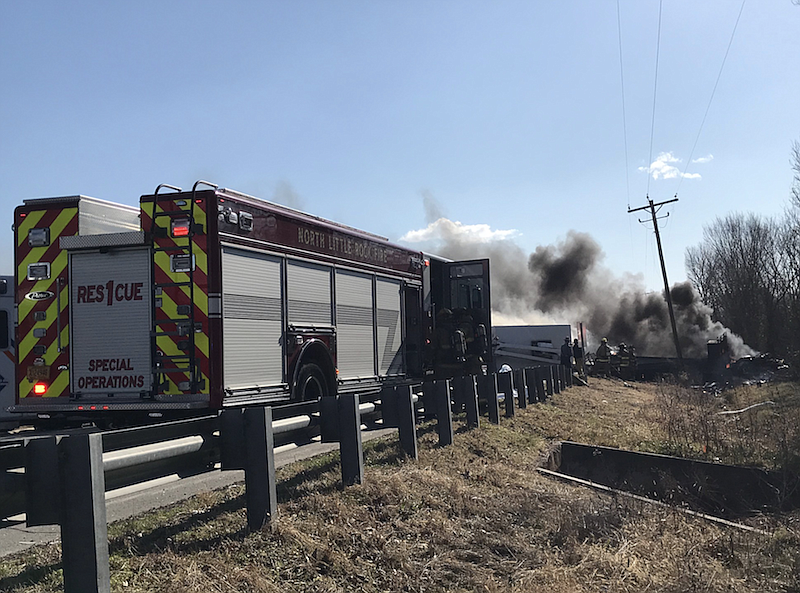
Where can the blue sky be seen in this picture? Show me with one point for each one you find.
(506, 114)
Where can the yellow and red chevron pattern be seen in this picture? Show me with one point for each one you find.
(172, 297)
(39, 320)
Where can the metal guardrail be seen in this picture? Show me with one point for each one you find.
(66, 476)
(136, 455)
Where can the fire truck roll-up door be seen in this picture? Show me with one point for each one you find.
(309, 287)
(355, 325)
(110, 324)
(390, 335)
(252, 318)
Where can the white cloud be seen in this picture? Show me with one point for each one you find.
(448, 230)
(704, 159)
(664, 168)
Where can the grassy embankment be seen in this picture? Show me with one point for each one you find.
(477, 516)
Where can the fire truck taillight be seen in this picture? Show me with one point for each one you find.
(39, 388)
(180, 227)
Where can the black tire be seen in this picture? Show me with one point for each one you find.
(311, 383)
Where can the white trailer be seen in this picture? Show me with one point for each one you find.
(521, 346)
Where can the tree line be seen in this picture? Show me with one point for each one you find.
(747, 268)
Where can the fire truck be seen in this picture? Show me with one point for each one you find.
(210, 298)
(7, 358)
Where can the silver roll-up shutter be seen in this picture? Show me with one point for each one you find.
(252, 319)
(355, 332)
(111, 323)
(309, 295)
(390, 338)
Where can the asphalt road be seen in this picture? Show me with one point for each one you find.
(138, 499)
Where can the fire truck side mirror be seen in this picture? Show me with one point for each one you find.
(4, 286)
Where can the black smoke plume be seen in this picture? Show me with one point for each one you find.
(567, 283)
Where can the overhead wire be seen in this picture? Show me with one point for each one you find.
(655, 89)
(624, 126)
(624, 117)
(711, 99)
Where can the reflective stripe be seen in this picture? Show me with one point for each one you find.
(173, 296)
(61, 222)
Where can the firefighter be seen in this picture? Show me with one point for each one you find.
(577, 354)
(603, 359)
(566, 355)
(444, 336)
(624, 361)
(627, 362)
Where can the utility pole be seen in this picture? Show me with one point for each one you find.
(652, 207)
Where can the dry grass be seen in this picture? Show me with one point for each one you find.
(763, 431)
(475, 516)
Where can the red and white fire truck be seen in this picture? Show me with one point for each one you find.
(209, 298)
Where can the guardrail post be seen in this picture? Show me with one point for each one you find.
(522, 388)
(547, 377)
(231, 439)
(530, 382)
(42, 486)
(459, 394)
(541, 383)
(84, 531)
(471, 401)
(350, 446)
(556, 382)
(505, 383)
(390, 409)
(259, 474)
(570, 377)
(428, 400)
(406, 420)
(329, 418)
(444, 412)
(487, 390)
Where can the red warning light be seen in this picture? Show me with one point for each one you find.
(40, 388)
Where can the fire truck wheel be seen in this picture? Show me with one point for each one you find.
(311, 383)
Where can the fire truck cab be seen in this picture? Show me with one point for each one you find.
(210, 298)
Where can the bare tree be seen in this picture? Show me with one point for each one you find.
(796, 169)
(747, 268)
(736, 272)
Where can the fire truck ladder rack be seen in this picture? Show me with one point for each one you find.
(186, 362)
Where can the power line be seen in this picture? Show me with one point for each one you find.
(655, 88)
(719, 75)
(624, 117)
